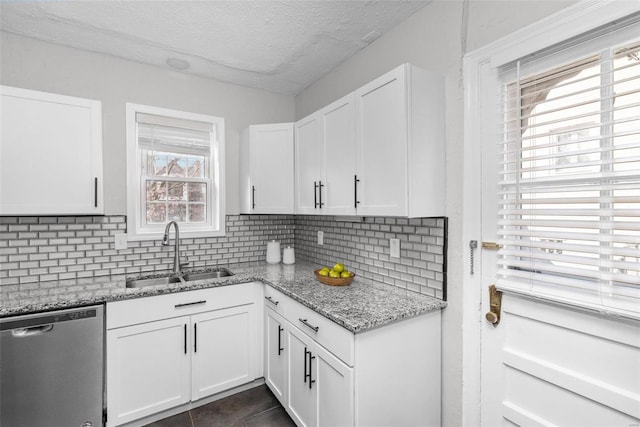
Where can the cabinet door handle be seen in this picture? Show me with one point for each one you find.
(320, 193)
(356, 202)
(253, 197)
(185, 338)
(195, 337)
(315, 194)
(272, 301)
(309, 325)
(190, 303)
(305, 364)
(280, 329)
(311, 380)
(95, 192)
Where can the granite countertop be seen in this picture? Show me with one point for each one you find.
(363, 305)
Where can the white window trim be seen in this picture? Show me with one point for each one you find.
(572, 21)
(134, 226)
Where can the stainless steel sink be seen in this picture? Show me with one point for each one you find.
(172, 278)
(152, 281)
(202, 275)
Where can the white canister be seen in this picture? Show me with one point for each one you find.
(288, 256)
(273, 252)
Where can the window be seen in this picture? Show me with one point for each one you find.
(175, 172)
(569, 187)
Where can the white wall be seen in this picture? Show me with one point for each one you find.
(436, 38)
(36, 65)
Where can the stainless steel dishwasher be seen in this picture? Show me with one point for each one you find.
(52, 368)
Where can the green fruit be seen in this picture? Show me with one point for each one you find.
(334, 273)
(345, 274)
(338, 267)
(323, 272)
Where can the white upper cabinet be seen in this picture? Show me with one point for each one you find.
(325, 160)
(379, 151)
(400, 160)
(50, 154)
(266, 169)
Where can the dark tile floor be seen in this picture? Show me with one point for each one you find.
(251, 408)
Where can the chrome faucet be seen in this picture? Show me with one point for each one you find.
(177, 265)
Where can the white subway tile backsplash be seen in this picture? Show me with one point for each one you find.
(34, 249)
(364, 248)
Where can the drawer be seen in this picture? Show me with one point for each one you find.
(275, 300)
(148, 309)
(328, 334)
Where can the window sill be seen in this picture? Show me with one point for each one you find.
(184, 234)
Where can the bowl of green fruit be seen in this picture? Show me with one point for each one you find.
(336, 276)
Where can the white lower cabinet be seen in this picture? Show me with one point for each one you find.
(326, 376)
(207, 342)
(320, 386)
(148, 369)
(223, 350)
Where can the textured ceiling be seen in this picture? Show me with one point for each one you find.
(279, 46)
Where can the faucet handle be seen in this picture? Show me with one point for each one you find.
(184, 261)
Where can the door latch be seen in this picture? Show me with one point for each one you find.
(491, 246)
(473, 245)
(495, 305)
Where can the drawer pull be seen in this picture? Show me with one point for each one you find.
(280, 329)
(190, 303)
(309, 325)
(272, 301)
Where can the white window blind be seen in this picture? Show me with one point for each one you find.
(569, 187)
(158, 133)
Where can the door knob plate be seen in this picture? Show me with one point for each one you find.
(495, 306)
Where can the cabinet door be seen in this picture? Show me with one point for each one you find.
(301, 389)
(381, 141)
(271, 168)
(275, 358)
(308, 164)
(223, 350)
(335, 395)
(340, 157)
(51, 154)
(148, 369)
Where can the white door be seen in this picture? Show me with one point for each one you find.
(335, 394)
(51, 154)
(149, 369)
(275, 357)
(271, 166)
(338, 196)
(223, 349)
(550, 363)
(381, 145)
(300, 381)
(308, 164)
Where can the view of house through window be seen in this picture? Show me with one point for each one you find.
(176, 188)
(175, 182)
(570, 179)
